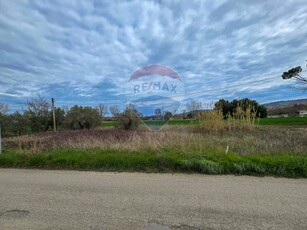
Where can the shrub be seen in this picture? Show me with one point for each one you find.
(14, 124)
(79, 117)
(128, 120)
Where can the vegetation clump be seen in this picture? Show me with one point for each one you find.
(240, 119)
(79, 117)
(247, 105)
(128, 120)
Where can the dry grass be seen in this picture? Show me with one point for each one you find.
(277, 151)
(184, 139)
(213, 121)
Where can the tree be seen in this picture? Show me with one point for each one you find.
(167, 115)
(262, 111)
(38, 114)
(114, 110)
(19, 124)
(4, 123)
(134, 109)
(79, 117)
(193, 107)
(158, 113)
(223, 106)
(14, 124)
(230, 108)
(59, 117)
(4, 108)
(128, 119)
(102, 109)
(295, 73)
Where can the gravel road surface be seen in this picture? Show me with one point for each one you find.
(40, 199)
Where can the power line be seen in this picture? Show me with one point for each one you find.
(205, 91)
(233, 86)
(114, 102)
(227, 87)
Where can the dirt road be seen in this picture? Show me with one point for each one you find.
(38, 199)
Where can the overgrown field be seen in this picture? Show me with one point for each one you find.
(263, 150)
(158, 122)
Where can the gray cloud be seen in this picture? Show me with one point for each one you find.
(80, 45)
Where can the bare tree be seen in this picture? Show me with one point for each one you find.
(38, 106)
(4, 108)
(295, 73)
(38, 113)
(193, 107)
(102, 109)
(114, 110)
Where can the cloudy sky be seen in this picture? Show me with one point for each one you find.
(83, 52)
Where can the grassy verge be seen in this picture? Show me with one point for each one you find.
(165, 160)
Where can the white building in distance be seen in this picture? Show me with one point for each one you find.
(302, 113)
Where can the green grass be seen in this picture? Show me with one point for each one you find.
(108, 124)
(173, 122)
(284, 121)
(262, 121)
(166, 160)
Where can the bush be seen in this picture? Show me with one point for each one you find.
(128, 120)
(14, 124)
(79, 117)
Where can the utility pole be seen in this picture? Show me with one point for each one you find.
(53, 114)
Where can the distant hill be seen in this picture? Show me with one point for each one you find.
(291, 107)
(285, 103)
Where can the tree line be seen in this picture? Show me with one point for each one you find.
(38, 117)
(228, 108)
